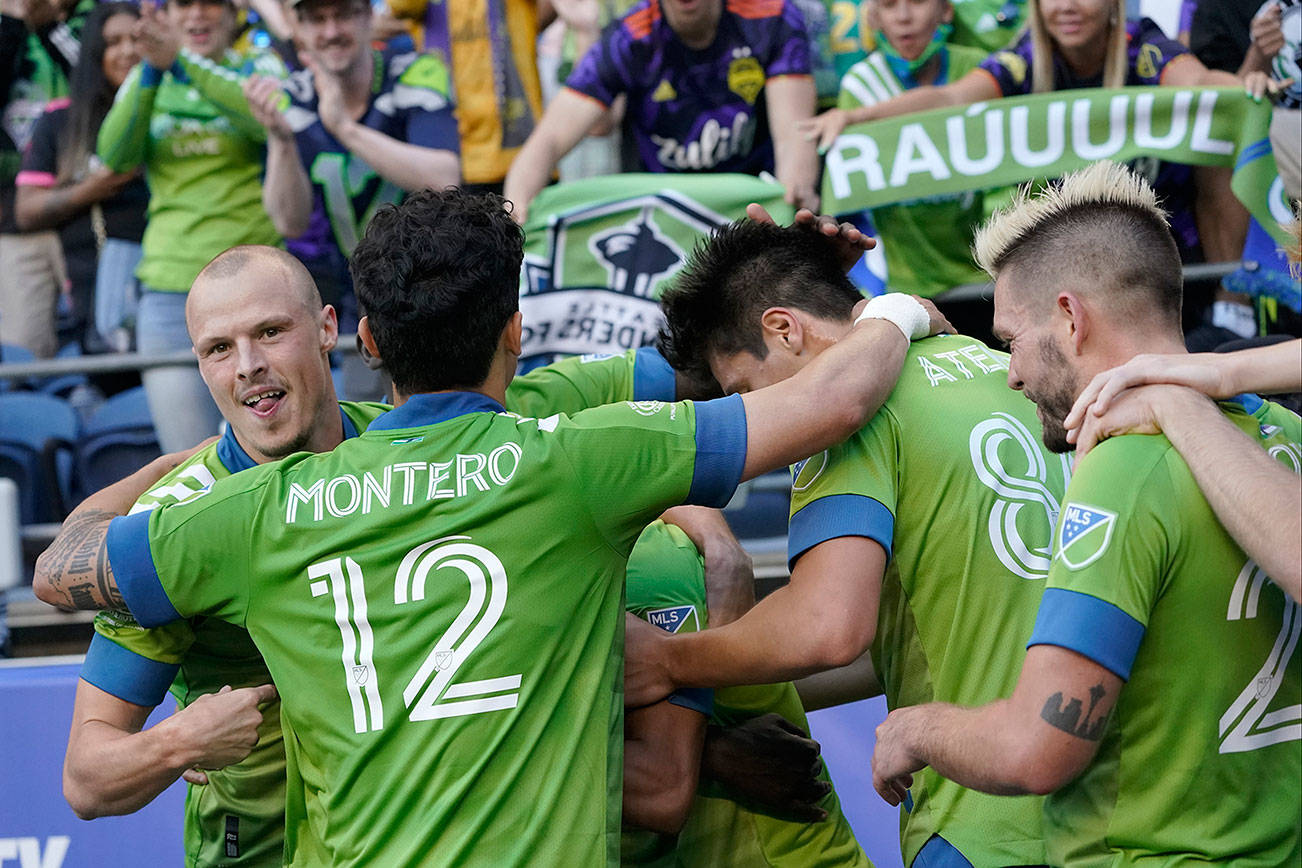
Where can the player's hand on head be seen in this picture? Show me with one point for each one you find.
(222, 728)
(849, 242)
(645, 679)
(769, 762)
(266, 101)
(893, 764)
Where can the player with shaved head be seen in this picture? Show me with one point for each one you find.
(262, 337)
(1160, 698)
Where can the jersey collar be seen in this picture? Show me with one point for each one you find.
(234, 458)
(430, 408)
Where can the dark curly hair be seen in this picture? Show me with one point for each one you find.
(439, 278)
(715, 303)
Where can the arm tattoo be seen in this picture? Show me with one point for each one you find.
(76, 564)
(1070, 719)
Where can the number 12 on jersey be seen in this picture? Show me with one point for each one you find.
(431, 693)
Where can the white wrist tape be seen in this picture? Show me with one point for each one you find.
(904, 311)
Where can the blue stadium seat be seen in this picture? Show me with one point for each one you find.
(117, 440)
(14, 355)
(37, 437)
(63, 384)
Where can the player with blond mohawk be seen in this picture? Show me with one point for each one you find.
(1149, 756)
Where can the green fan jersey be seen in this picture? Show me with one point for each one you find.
(1201, 760)
(951, 478)
(203, 154)
(927, 242)
(666, 587)
(439, 601)
(238, 818)
(988, 24)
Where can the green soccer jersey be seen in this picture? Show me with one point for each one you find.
(582, 382)
(988, 24)
(666, 587)
(927, 242)
(950, 477)
(238, 818)
(438, 601)
(203, 154)
(1201, 760)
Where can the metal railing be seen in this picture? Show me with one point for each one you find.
(1200, 271)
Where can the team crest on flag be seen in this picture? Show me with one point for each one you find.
(1084, 534)
(674, 618)
(598, 253)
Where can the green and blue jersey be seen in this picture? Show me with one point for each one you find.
(1201, 760)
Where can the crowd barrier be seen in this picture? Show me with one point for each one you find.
(39, 830)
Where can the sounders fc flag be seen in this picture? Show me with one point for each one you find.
(599, 251)
(1024, 138)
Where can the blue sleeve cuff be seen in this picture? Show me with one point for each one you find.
(653, 379)
(1089, 626)
(125, 674)
(133, 568)
(836, 516)
(150, 75)
(694, 699)
(720, 451)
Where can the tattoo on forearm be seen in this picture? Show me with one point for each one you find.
(1070, 719)
(77, 566)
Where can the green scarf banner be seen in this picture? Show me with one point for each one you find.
(1010, 141)
(598, 252)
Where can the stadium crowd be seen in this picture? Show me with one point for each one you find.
(255, 180)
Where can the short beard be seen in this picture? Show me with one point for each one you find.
(1056, 401)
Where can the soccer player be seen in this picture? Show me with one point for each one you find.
(263, 338)
(925, 535)
(354, 130)
(438, 598)
(1258, 501)
(667, 744)
(1160, 698)
(257, 320)
(711, 86)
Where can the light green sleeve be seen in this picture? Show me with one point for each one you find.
(223, 87)
(633, 460)
(123, 142)
(200, 549)
(1119, 525)
(571, 385)
(166, 644)
(851, 489)
(1270, 413)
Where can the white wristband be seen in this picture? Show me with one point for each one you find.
(904, 311)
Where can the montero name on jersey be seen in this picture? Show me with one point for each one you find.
(349, 493)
